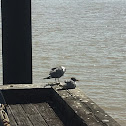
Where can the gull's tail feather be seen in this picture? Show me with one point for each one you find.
(49, 77)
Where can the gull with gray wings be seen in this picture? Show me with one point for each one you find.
(56, 73)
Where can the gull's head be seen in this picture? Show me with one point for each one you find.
(64, 69)
(74, 79)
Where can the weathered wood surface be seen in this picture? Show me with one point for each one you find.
(82, 106)
(34, 105)
(33, 115)
(30, 105)
(21, 86)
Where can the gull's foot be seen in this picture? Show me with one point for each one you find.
(57, 83)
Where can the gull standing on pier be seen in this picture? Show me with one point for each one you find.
(56, 73)
(71, 84)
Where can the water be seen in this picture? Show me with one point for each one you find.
(88, 38)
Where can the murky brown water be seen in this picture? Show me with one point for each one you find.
(88, 37)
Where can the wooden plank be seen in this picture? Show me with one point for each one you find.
(11, 117)
(31, 95)
(46, 110)
(49, 115)
(69, 115)
(98, 113)
(19, 115)
(33, 114)
(54, 122)
(22, 86)
(88, 111)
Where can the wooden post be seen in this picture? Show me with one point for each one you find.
(16, 41)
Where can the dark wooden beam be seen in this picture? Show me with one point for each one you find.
(16, 41)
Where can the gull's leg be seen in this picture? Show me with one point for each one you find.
(58, 81)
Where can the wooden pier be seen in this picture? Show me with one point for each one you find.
(28, 104)
(34, 105)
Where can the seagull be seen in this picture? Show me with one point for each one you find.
(56, 73)
(71, 84)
